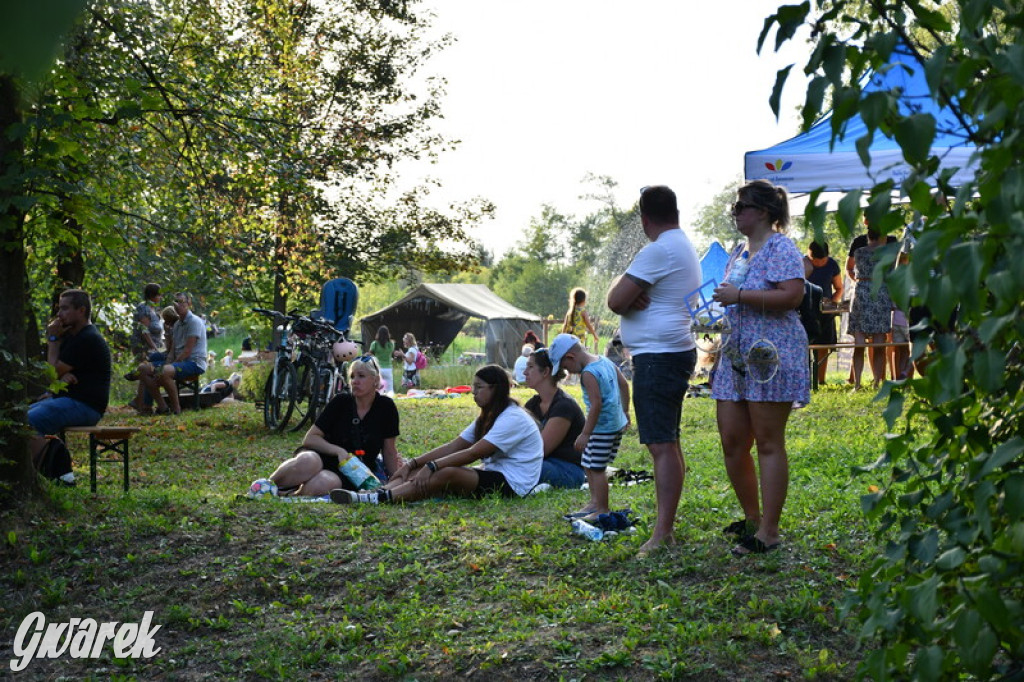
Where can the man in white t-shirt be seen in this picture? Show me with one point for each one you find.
(187, 357)
(655, 327)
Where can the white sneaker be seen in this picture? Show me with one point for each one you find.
(342, 496)
(68, 478)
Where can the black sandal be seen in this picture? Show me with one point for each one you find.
(754, 545)
(740, 529)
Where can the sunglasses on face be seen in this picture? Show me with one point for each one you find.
(738, 207)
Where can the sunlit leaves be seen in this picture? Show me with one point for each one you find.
(944, 596)
(240, 149)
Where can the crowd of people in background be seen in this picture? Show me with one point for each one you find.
(512, 450)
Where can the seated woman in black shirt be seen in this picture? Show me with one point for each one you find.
(362, 423)
(561, 422)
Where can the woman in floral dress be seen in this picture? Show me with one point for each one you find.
(871, 311)
(753, 408)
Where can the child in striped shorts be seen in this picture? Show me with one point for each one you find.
(606, 395)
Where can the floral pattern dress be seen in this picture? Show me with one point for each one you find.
(777, 261)
(871, 311)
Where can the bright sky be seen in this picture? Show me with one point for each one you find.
(541, 92)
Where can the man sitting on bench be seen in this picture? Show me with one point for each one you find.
(81, 357)
(187, 357)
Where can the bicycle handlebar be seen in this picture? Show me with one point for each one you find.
(319, 325)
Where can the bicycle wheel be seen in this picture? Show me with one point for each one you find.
(323, 392)
(278, 394)
(304, 405)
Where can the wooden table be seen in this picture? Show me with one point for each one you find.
(831, 347)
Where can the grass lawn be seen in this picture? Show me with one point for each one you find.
(483, 590)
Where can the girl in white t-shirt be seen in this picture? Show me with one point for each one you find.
(505, 439)
(410, 374)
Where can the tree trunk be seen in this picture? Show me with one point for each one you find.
(17, 475)
(70, 262)
(280, 276)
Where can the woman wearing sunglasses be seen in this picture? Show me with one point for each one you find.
(762, 303)
(362, 424)
(504, 438)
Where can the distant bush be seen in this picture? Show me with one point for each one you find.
(443, 376)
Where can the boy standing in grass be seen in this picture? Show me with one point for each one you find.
(606, 395)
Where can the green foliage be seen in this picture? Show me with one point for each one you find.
(30, 35)
(538, 286)
(239, 150)
(714, 220)
(944, 598)
(559, 252)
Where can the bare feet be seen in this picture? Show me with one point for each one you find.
(654, 545)
(584, 513)
(593, 514)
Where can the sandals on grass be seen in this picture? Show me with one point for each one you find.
(741, 528)
(754, 545)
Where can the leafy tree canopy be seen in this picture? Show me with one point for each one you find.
(239, 149)
(944, 597)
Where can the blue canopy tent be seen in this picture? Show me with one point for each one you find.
(810, 161)
(712, 264)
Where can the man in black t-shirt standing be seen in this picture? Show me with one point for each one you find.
(81, 358)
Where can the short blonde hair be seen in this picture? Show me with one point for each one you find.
(367, 361)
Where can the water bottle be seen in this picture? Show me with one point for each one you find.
(584, 529)
(738, 271)
(358, 473)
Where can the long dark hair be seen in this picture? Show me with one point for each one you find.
(383, 335)
(500, 398)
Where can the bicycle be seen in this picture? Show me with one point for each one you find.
(281, 386)
(321, 375)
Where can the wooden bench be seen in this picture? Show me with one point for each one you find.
(104, 440)
(188, 388)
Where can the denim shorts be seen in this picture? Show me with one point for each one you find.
(50, 417)
(559, 473)
(660, 381)
(188, 368)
